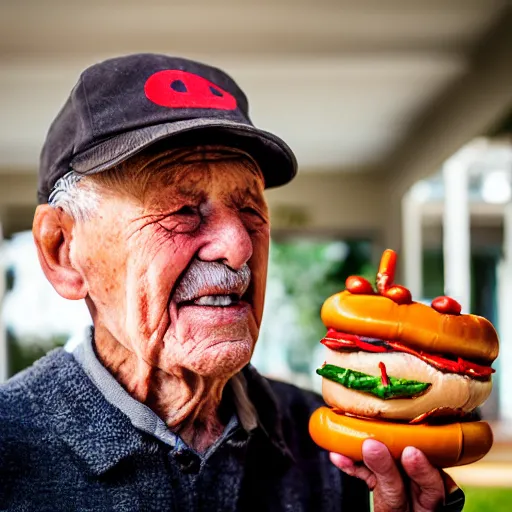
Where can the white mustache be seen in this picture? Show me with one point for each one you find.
(212, 278)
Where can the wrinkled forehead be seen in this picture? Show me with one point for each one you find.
(188, 173)
(173, 167)
(207, 171)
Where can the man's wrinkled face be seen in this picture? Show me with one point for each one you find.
(178, 276)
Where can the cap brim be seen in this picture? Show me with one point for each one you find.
(276, 160)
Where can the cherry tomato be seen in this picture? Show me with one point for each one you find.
(446, 305)
(358, 285)
(399, 294)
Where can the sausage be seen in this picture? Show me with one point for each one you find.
(445, 446)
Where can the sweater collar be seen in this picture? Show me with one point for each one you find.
(97, 432)
(102, 435)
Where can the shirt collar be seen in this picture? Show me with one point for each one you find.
(141, 416)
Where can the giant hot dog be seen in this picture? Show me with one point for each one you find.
(403, 373)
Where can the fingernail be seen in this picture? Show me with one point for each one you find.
(410, 453)
(377, 457)
(372, 448)
(341, 462)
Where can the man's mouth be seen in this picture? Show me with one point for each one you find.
(222, 301)
(214, 300)
(213, 284)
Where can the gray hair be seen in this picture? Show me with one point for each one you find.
(76, 195)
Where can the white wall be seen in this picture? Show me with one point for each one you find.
(345, 203)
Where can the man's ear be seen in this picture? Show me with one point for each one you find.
(52, 231)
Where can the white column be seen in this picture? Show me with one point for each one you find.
(504, 325)
(412, 244)
(3, 337)
(456, 231)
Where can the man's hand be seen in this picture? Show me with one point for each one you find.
(419, 488)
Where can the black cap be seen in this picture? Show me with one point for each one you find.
(123, 105)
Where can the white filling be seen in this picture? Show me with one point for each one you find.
(215, 300)
(447, 389)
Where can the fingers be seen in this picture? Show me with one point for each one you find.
(349, 467)
(380, 472)
(390, 492)
(427, 486)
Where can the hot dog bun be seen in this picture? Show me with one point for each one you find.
(445, 446)
(417, 325)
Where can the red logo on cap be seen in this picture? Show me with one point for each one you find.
(180, 89)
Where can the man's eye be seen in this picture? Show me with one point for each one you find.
(186, 210)
(251, 211)
(184, 220)
(253, 218)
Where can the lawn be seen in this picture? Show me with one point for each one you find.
(487, 499)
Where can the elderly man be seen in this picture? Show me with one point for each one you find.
(152, 211)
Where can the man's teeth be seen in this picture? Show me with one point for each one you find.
(216, 300)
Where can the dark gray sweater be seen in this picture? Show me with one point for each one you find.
(63, 447)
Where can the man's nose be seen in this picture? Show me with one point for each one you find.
(228, 241)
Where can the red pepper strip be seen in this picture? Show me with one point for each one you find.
(355, 342)
(383, 373)
(333, 333)
(370, 347)
(439, 362)
(347, 338)
(459, 366)
(342, 341)
(473, 367)
(338, 344)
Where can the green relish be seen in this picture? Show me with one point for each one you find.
(358, 381)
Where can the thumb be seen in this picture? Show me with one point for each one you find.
(390, 493)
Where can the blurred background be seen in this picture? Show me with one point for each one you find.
(400, 114)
